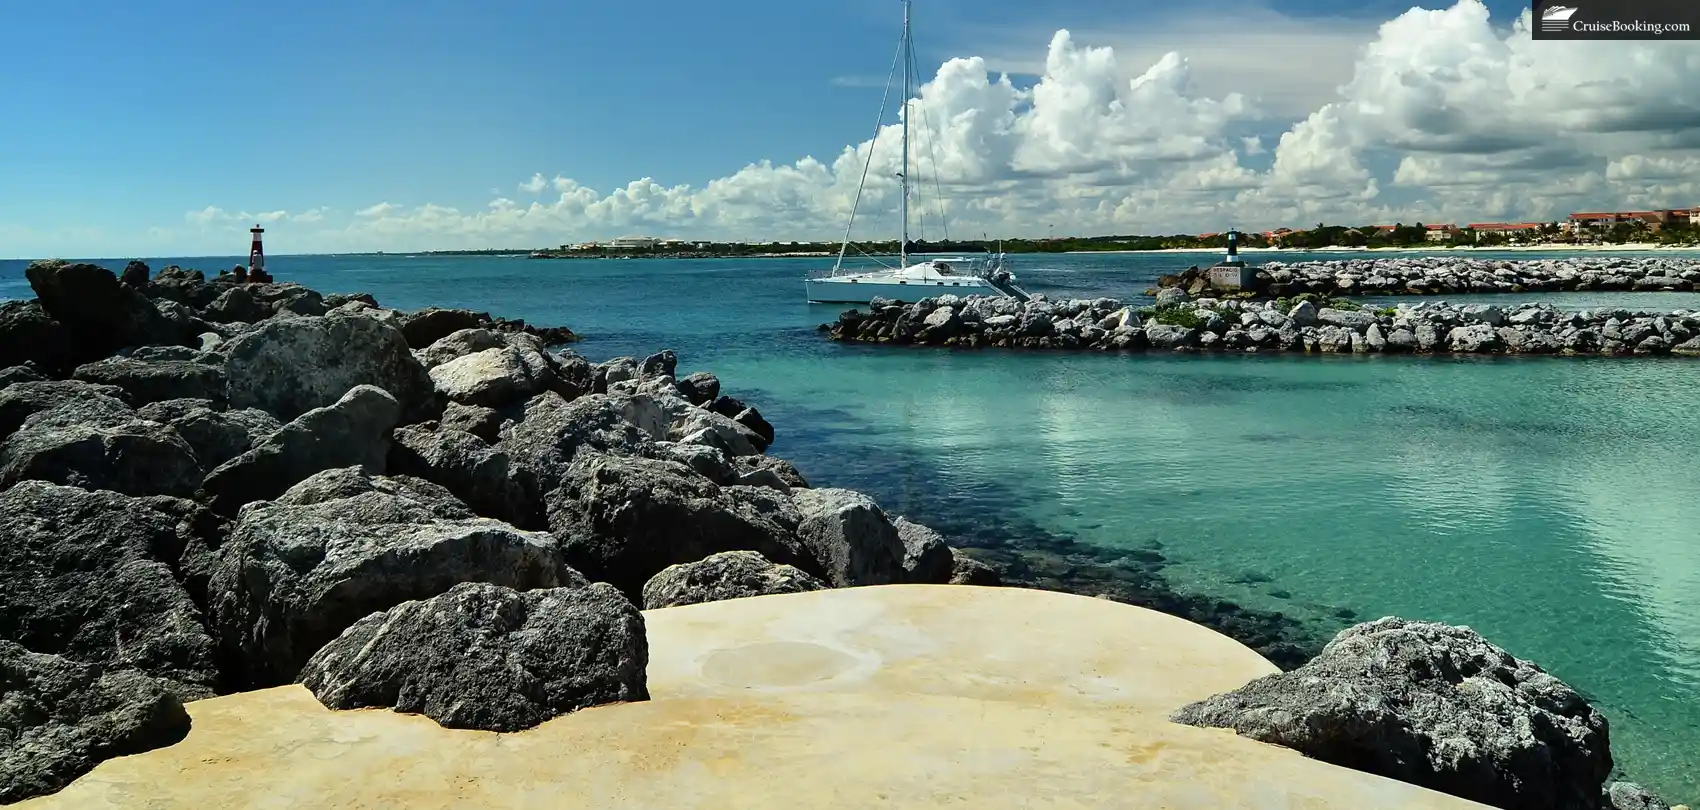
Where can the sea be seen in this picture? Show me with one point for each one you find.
(1550, 503)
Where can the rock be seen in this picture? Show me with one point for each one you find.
(485, 423)
(1630, 796)
(926, 558)
(966, 570)
(1432, 705)
(95, 444)
(1477, 337)
(215, 436)
(431, 324)
(1357, 320)
(458, 344)
(60, 718)
(342, 545)
(727, 575)
(486, 657)
(154, 381)
(784, 470)
(552, 432)
(29, 335)
(623, 520)
(709, 462)
(1169, 336)
(100, 315)
(290, 366)
(135, 275)
(747, 416)
(661, 364)
(235, 305)
(353, 432)
(494, 378)
(851, 537)
(1304, 314)
(94, 402)
(700, 388)
(698, 426)
(470, 469)
(1170, 296)
(88, 575)
(20, 374)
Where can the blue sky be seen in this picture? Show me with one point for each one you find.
(123, 116)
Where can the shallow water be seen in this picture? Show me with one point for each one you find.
(1548, 502)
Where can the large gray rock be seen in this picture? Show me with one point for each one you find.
(622, 520)
(1432, 705)
(468, 467)
(60, 718)
(785, 471)
(458, 344)
(29, 335)
(146, 381)
(965, 570)
(850, 536)
(100, 315)
(926, 558)
(215, 435)
(352, 432)
(494, 377)
(551, 432)
(427, 326)
(487, 657)
(341, 545)
(727, 575)
(21, 400)
(1630, 796)
(88, 575)
(289, 366)
(700, 388)
(92, 443)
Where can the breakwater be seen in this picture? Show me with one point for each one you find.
(1448, 275)
(1305, 323)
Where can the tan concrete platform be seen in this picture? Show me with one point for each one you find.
(904, 696)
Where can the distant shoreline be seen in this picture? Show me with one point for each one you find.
(1636, 247)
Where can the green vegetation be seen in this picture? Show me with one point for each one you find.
(1174, 315)
(1387, 312)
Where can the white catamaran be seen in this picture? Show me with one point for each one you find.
(927, 277)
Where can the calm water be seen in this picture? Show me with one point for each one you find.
(1549, 503)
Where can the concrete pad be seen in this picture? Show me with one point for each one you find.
(278, 748)
(1014, 644)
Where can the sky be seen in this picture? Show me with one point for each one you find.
(169, 128)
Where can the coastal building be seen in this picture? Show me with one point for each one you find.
(1509, 229)
(632, 243)
(1442, 233)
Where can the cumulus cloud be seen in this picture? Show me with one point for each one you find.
(1437, 115)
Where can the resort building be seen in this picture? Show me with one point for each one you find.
(631, 242)
(1514, 230)
(1442, 233)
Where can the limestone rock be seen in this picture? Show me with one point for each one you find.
(486, 657)
(153, 381)
(95, 444)
(1630, 796)
(60, 718)
(470, 469)
(494, 377)
(485, 423)
(551, 432)
(784, 470)
(352, 432)
(100, 314)
(88, 576)
(1432, 705)
(290, 366)
(966, 570)
(700, 388)
(431, 324)
(727, 575)
(850, 536)
(29, 335)
(22, 400)
(341, 545)
(623, 520)
(926, 557)
(216, 436)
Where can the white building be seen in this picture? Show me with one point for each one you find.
(632, 242)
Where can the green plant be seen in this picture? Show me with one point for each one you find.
(1176, 315)
(1344, 305)
(1387, 312)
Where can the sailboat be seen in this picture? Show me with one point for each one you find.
(926, 277)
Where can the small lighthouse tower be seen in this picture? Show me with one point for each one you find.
(257, 254)
(1233, 248)
(1231, 274)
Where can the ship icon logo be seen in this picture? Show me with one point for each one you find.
(1557, 18)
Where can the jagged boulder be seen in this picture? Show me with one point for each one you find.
(1432, 705)
(727, 575)
(468, 467)
(431, 324)
(1630, 796)
(781, 469)
(146, 381)
(743, 414)
(21, 400)
(485, 423)
(494, 377)
(850, 536)
(342, 545)
(96, 444)
(59, 718)
(926, 558)
(622, 520)
(215, 435)
(29, 335)
(551, 432)
(700, 388)
(88, 575)
(289, 366)
(965, 570)
(352, 432)
(487, 657)
(100, 315)
(235, 305)
(28, 372)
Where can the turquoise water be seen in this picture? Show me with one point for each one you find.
(1550, 503)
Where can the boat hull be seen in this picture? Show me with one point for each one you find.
(843, 291)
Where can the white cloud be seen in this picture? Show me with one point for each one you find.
(1435, 115)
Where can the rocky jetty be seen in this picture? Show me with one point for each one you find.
(209, 486)
(1306, 323)
(1453, 275)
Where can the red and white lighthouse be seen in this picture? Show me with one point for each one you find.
(257, 254)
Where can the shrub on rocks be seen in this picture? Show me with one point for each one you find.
(727, 575)
(60, 718)
(1432, 705)
(482, 656)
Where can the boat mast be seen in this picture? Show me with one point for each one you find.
(908, 50)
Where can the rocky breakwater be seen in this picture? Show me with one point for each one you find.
(209, 487)
(1450, 275)
(1305, 323)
